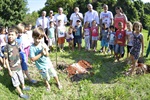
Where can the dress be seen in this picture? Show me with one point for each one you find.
(135, 50)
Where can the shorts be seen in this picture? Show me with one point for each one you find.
(94, 38)
(23, 61)
(104, 43)
(119, 49)
(51, 41)
(48, 72)
(17, 78)
(69, 40)
(61, 40)
(112, 47)
(128, 48)
(78, 40)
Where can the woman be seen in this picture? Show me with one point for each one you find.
(120, 17)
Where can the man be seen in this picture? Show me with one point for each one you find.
(75, 16)
(44, 23)
(91, 15)
(60, 16)
(106, 16)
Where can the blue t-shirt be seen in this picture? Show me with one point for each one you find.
(105, 35)
(43, 61)
(112, 38)
(78, 31)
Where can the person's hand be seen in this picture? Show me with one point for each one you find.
(10, 73)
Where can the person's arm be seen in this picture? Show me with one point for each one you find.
(142, 40)
(80, 16)
(85, 18)
(37, 57)
(8, 67)
(71, 19)
(65, 20)
(111, 18)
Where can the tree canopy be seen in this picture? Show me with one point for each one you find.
(12, 11)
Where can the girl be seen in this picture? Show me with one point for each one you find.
(129, 39)
(2, 44)
(51, 35)
(61, 29)
(94, 34)
(69, 38)
(104, 35)
(86, 35)
(138, 44)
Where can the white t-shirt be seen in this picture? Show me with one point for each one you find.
(68, 36)
(106, 17)
(61, 31)
(29, 33)
(87, 31)
(90, 16)
(61, 17)
(74, 17)
(50, 19)
(130, 38)
(44, 24)
(2, 41)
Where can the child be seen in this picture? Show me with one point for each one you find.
(119, 41)
(130, 36)
(78, 34)
(39, 54)
(29, 33)
(112, 39)
(138, 45)
(104, 40)
(21, 40)
(69, 38)
(2, 44)
(94, 34)
(61, 30)
(51, 35)
(11, 54)
(86, 35)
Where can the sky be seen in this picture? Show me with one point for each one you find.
(35, 5)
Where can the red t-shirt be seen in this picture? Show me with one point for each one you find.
(94, 31)
(120, 37)
(117, 20)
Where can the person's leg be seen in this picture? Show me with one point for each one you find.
(148, 50)
(47, 85)
(58, 82)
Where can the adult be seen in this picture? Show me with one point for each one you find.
(50, 17)
(44, 23)
(91, 15)
(106, 16)
(60, 16)
(75, 16)
(120, 17)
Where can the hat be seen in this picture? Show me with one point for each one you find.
(51, 11)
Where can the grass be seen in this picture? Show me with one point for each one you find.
(107, 83)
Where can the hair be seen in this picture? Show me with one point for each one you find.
(59, 21)
(138, 23)
(38, 32)
(118, 7)
(120, 23)
(50, 22)
(1, 29)
(20, 27)
(105, 5)
(13, 29)
(128, 22)
(112, 27)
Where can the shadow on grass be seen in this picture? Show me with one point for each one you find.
(104, 69)
(5, 80)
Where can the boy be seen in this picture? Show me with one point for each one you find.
(120, 41)
(78, 34)
(11, 54)
(39, 54)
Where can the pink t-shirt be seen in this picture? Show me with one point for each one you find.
(87, 31)
(94, 31)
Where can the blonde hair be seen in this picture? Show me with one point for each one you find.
(138, 23)
(131, 26)
(20, 27)
(13, 29)
(38, 32)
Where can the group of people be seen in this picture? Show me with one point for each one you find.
(113, 32)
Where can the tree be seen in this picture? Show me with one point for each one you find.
(12, 11)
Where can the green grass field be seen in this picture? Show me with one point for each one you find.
(107, 83)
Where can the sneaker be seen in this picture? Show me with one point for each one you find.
(26, 89)
(33, 81)
(24, 96)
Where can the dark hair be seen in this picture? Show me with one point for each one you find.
(118, 7)
(1, 29)
(38, 32)
(13, 29)
(50, 22)
(112, 27)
